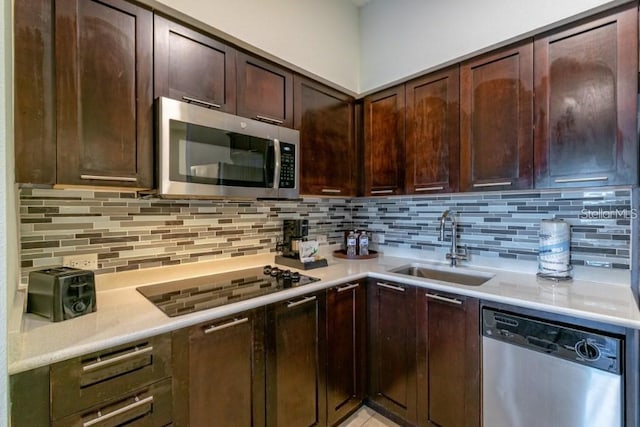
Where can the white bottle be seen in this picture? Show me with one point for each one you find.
(351, 244)
(363, 243)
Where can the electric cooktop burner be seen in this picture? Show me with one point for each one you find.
(200, 293)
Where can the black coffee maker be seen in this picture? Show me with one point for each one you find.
(294, 231)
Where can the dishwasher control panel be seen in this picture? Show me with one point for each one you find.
(568, 342)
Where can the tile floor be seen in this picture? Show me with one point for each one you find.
(367, 417)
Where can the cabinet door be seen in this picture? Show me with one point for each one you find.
(324, 118)
(346, 321)
(219, 372)
(392, 349)
(191, 66)
(265, 91)
(449, 353)
(433, 133)
(34, 86)
(384, 142)
(586, 90)
(496, 124)
(295, 363)
(104, 98)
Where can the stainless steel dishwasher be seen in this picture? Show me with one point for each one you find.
(540, 373)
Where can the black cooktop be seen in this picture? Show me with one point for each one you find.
(200, 293)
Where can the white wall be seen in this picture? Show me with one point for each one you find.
(319, 36)
(401, 38)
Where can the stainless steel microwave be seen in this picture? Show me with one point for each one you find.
(208, 153)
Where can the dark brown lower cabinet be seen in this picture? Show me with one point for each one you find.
(219, 372)
(346, 323)
(391, 351)
(295, 363)
(449, 352)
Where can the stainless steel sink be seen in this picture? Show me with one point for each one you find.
(468, 278)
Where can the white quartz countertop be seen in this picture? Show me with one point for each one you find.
(124, 315)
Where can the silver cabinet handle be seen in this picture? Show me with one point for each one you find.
(234, 322)
(102, 363)
(331, 190)
(347, 287)
(595, 178)
(381, 191)
(120, 411)
(201, 102)
(109, 178)
(445, 299)
(269, 119)
(439, 187)
(302, 301)
(387, 285)
(492, 184)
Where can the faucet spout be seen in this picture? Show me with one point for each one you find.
(443, 223)
(454, 254)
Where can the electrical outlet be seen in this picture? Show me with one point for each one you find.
(379, 238)
(321, 238)
(83, 261)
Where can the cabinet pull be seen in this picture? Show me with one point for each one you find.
(102, 363)
(201, 102)
(269, 119)
(109, 178)
(347, 287)
(331, 190)
(492, 184)
(381, 191)
(440, 187)
(595, 178)
(445, 299)
(120, 411)
(234, 322)
(302, 301)
(395, 288)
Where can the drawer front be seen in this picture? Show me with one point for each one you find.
(98, 377)
(148, 406)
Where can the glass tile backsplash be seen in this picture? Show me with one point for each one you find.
(133, 233)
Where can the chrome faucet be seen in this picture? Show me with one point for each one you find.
(455, 253)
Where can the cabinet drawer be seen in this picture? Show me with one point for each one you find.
(98, 377)
(147, 406)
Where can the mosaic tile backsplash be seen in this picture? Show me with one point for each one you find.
(133, 233)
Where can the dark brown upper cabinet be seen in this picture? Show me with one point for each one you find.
(264, 90)
(384, 159)
(433, 133)
(104, 94)
(448, 360)
(34, 86)
(325, 120)
(586, 88)
(191, 66)
(496, 123)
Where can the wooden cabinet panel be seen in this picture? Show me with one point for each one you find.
(219, 372)
(104, 97)
(586, 90)
(449, 353)
(264, 90)
(496, 125)
(325, 120)
(433, 133)
(384, 161)
(34, 86)
(296, 393)
(392, 349)
(192, 66)
(346, 322)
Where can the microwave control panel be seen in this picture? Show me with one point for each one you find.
(288, 162)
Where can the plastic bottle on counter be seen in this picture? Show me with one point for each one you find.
(351, 244)
(363, 243)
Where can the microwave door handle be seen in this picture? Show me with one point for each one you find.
(278, 165)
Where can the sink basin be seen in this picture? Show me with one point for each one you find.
(468, 278)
